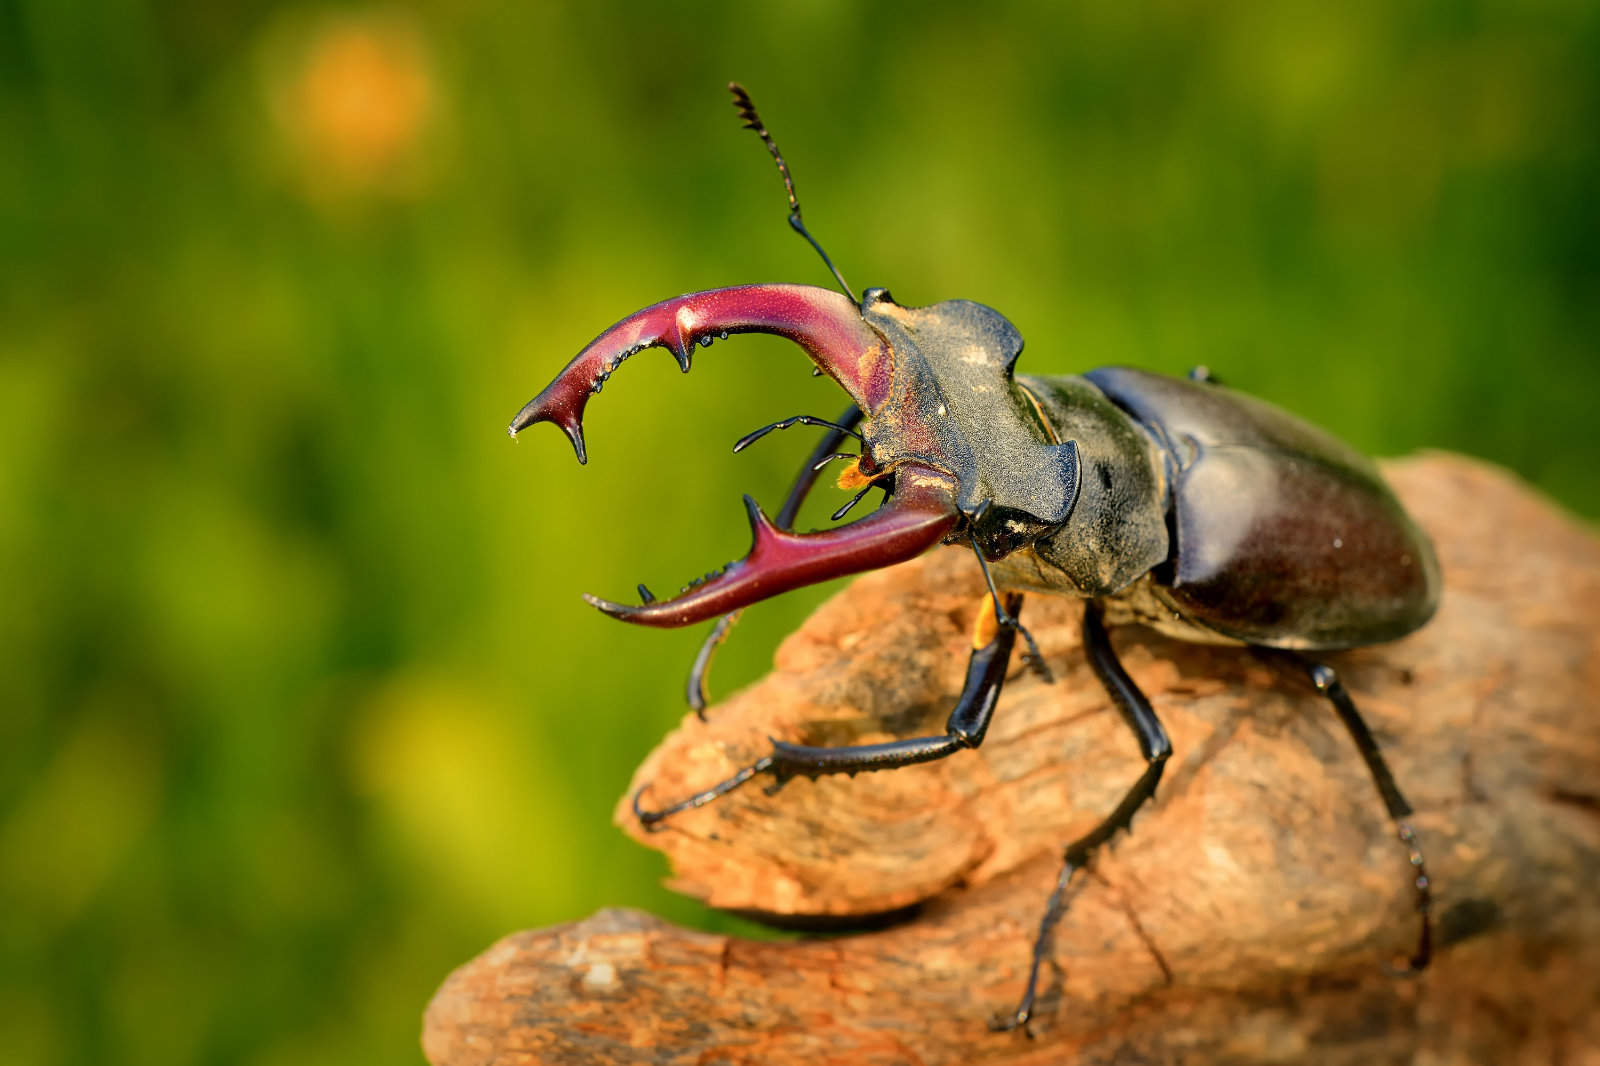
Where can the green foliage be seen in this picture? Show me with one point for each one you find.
(301, 708)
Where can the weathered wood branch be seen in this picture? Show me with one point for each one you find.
(1246, 918)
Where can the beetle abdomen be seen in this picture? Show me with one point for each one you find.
(1285, 536)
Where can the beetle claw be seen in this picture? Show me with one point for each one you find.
(919, 514)
(651, 820)
(827, 325)
(564, 415)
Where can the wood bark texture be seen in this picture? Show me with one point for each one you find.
(1247, 918)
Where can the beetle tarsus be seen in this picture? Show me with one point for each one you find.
(1153, 745)
(1423, 955)
(1054, 909)
(651, 819)
(1326, 681)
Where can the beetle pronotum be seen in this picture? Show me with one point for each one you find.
(1177, 504)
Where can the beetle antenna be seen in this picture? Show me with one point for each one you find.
(752, 121)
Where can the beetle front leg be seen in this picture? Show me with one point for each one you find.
(965, 728)
(1153, 745)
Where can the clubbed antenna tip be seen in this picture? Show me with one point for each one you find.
(752, 121)
(745, 105)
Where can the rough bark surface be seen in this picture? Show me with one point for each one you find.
(1245, 920)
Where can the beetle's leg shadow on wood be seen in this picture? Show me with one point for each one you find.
(964, 729)
(1156, 748)
(1326, 681)
(842, 427)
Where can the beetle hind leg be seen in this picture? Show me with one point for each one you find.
(965, 728)
(1153, 745)
(1327, 682)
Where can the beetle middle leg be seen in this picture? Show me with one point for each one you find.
(965, 728)
(1153, 745)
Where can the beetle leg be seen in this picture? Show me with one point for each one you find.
(841, 427)
(965, 728)
(1153, 745)
(1007, 620)
(1327, 682)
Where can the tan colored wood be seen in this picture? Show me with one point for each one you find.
(1246, 918)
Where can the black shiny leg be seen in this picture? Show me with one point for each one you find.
(1327, 682)
(1153, 745)
(965, 728)
(803, 482)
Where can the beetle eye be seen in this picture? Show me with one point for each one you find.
(1002, 531)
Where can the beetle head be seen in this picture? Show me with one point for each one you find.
(953, 406)
(967, 452)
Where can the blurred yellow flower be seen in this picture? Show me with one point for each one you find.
(355, 97)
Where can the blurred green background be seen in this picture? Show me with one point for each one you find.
(301, 708)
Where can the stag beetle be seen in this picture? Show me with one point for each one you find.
(1178, 504)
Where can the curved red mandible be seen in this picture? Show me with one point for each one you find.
(825, 323)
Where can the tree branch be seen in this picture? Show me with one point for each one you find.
(1245, 920)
